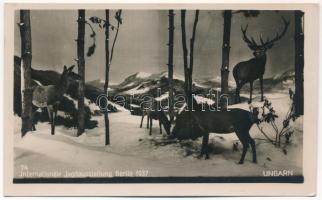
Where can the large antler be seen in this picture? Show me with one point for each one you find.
(269, 43)
(250, 42)
(278, 36)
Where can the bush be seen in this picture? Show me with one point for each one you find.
(269, 115)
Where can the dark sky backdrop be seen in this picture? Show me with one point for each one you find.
(142, 40)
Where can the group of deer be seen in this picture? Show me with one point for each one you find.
(238, 121)
(221, 122)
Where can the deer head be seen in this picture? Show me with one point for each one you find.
(260, 50)
(68, 76)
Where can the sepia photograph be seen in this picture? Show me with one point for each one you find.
(115, 95)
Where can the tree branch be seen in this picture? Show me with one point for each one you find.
(269, 139)
(116, 34)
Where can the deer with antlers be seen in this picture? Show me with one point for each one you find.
(253, 69)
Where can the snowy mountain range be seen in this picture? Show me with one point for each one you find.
(142, 83)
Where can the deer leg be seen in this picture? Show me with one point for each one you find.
(237, 94)
(150, 126)
(51, 118)
(251, 92)
(33, 120)
(204, 147)
(243, 137)
(160, 127)
(147, 121)
(53, 122)
(245, 148)
(262, 93)
(252, 144)
(49, 111)
(207, 147)
(142, 120)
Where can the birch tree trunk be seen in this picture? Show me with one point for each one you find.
(185, 56)
(170, 63)
(299, 63)
(107, 70)
(225, 52)
(192, 42)
(26, 55)
(188, 69)
(81, 71)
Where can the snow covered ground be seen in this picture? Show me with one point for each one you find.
(133, 149)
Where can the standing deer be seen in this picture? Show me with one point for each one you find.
(154, 114)
(222, 122)
(50, 96)
(253, 69)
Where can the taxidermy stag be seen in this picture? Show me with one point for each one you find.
(253, 69)
(154, 114)
(222, 122)
(50, 96)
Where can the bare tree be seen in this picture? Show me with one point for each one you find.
(81, 71)
(225, 52)
(109, 59)
(185, 53)
(192, 42)
(107, 71)
(105, 23)
(170, 63)
(299, 62)
(188, 69)
(17, 86)
(26, 55)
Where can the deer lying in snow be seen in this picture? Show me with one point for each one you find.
(156, 115)
(223, 122)
(50, 96)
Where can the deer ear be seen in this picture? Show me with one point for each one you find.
(65, 68)
(71, 68)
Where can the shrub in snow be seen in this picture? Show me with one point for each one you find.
(269, 116)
